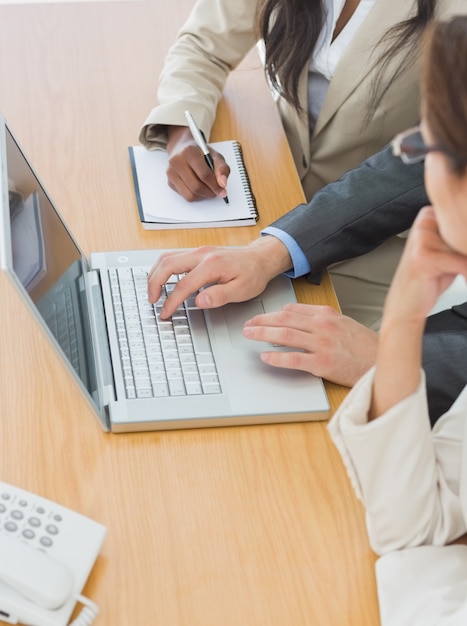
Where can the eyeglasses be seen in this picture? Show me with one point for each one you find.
(411, 147)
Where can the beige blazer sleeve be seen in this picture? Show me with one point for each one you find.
(217, 36)
(408, 476)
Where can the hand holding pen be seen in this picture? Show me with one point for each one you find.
(201, 143)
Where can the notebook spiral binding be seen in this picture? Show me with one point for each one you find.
(251, 200)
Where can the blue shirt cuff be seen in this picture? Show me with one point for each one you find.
(301, 266)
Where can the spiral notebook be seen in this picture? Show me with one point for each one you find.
(161, 207)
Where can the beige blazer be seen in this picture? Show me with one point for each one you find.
(217, 36)
(413, 482)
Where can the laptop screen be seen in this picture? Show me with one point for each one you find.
(43, 256)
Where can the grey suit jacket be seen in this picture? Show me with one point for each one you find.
(355, 214)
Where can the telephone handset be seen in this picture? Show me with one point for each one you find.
(46, 554)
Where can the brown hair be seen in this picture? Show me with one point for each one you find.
(290, 30)
(444, 87)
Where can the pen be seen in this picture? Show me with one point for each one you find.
(200, 142)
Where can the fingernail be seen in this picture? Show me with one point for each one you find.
(223, 181)
(204, 301)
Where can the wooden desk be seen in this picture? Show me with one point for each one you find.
(241, 526)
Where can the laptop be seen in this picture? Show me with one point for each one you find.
(138, 372)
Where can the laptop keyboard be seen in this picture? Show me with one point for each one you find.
(160, 358)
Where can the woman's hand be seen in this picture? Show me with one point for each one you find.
(427, 268)
(188, 173)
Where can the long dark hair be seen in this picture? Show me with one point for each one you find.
(290, 30)
(444, 87)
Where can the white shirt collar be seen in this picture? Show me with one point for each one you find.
(327, 52)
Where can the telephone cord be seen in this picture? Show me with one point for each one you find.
(87, 614)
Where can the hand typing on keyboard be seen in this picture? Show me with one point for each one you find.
(230, 274)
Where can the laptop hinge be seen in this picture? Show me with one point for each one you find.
(100, 342)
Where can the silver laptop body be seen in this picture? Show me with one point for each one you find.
(220, 380)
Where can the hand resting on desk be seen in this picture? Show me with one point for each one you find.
(188, 174)
(334, 346)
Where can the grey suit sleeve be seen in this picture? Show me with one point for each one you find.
(358, 212)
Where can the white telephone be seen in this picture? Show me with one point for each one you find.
(46, 554)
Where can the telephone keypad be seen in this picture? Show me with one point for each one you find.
(28, 520)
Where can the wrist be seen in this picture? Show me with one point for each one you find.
(274, 255)
(175, 134)
(400, 344)
(396, 321)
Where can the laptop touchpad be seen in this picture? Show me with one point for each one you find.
(236, 315)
